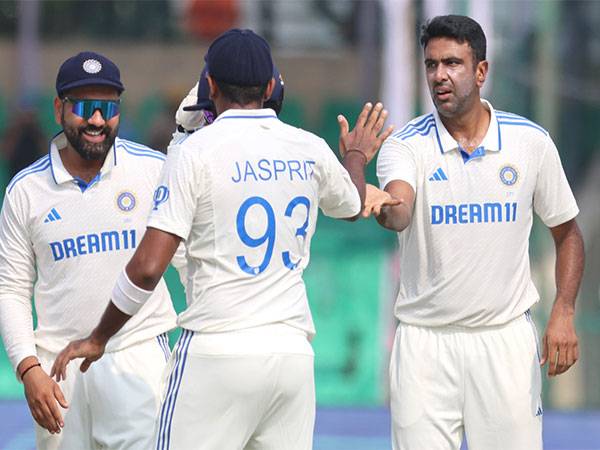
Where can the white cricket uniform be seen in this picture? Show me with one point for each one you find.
(244, 194)
(64, 242)
(465, 284)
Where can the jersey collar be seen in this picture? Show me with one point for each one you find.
(491, 142)
(61, 175)
(265, 113)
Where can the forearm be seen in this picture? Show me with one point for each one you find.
(16, 327)
(354, 162)
(569, 267)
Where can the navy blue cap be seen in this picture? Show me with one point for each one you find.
(204, 102)
(241, 58)
(88, 69)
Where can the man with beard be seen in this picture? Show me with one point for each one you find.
(69, 223)
(465, 359)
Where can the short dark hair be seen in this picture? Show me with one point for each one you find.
(460, 28)
(242, 95)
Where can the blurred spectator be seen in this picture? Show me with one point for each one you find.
(207, 19)
(23, 142)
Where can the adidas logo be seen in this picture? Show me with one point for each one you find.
(539, 411)
(438, 175)
(52, 216)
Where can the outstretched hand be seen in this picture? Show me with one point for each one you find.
(377, 199)
(367, 135)
(86, 348)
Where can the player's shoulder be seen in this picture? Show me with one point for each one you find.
(24, 179)
(140, 152)
(513, 123)
(418, 128)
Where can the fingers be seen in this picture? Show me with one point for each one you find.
(560, 356)
(374, 118)
(60, 397)
(344, 126)
(386, 134)
(85, 365)
(59, 368)
(44, 416)
(364, 114)
(56, 418)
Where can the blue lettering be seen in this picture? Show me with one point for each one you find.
(295, 169)
(264, 166)
(249, 171)
(475, 213)
(514, 215)
(450, 213)
(308, 169)
(69, 245)
(93, 243)
(278, 167)
(57, 251)
(239, 174)
(110, 240)
(462, 213)
(492, 212)
(437, 214)
(133, 241)
(81, 245)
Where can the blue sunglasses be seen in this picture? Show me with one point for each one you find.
(85, 108)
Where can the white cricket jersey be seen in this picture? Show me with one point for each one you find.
(465, 255)
(64, 242)
(244, 194)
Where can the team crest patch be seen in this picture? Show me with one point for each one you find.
(509, 175)
(126, 201)
(92, 66)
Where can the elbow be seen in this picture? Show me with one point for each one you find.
(145, 273)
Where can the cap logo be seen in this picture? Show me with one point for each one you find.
(92, 66)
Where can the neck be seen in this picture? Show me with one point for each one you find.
(222, 106)
(78, 166)
(470, 127)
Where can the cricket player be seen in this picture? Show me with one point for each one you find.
(243, 193)
(470, 177)
(69, 224)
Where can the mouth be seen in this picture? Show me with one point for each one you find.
(442, 93)
(94, 135)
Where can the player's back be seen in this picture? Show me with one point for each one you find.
(259, 184)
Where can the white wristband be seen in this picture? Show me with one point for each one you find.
(127, 297)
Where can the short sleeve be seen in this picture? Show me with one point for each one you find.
(338, 197)
(553, 200)
(175, 198)
(396, 161)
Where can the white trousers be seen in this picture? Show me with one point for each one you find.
(446, 382)
(236, 401)
(114, 404)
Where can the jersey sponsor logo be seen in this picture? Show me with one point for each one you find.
(87, 244)
(509, 175)
(161, 195)
(272, 170)
(473, 213)
(126, 201)
(438, 175)
(52, 216)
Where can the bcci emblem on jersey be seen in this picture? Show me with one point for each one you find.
(126, 201)
(509, 175)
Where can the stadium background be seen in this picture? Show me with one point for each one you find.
(333, 54)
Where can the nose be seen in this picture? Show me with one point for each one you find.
(97, 119)
(440, 73)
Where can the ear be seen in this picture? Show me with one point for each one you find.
(481, 73)
(269, 90)
(213, 89)
(58, 109)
